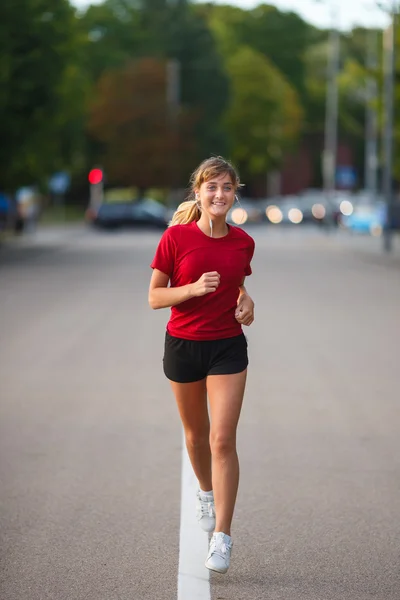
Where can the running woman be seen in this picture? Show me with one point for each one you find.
(199, 270)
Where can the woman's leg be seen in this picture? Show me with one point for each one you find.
(226, 396)
(191, 399)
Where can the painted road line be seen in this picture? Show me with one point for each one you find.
(193, 577)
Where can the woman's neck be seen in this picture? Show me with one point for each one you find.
(219, 226)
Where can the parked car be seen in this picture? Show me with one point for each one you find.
(366, 218)
(112, 215)
(5, 207)
(285, 210)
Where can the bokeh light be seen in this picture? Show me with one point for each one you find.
(274, 214)
(346, 208)
(318, 211)
(295, 215)
(239, 216)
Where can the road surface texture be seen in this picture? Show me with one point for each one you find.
(90, 440)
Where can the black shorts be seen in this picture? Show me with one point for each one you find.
(186, 361)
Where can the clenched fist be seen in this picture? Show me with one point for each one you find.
(207, 283)
(245, 310)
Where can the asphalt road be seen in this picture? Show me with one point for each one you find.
(90, 441)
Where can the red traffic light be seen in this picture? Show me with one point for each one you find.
(95, 176)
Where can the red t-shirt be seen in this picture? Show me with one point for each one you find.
(184, 253)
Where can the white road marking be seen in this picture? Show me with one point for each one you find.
(193, 576)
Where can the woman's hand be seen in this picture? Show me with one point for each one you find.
(207, 283)
(244, 313)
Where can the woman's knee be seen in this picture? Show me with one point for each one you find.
(222, 444)
(197, 439)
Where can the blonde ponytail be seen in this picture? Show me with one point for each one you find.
(186, 212)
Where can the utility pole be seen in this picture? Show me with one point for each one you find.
(389, 71)
(173, 107)
(331, 113)
(173, 90)
(371, 125)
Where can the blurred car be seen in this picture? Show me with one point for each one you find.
(366, 218)
(145, 212)
(4, 211)
(286, 210)
(326, 208)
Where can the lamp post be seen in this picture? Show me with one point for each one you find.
(331, 112)
(329, 156)
(389, 76)
(371, 124)
(173, 108)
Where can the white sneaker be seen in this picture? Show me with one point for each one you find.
(219, 555)
(205, 511)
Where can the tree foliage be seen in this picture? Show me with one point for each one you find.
(82, 87)
(264, 117)
(142, 143)
(37, 40)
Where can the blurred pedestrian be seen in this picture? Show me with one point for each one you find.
(206, 262)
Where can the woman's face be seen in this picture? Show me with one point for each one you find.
(217, 195)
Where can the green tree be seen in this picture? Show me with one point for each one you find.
(123, 30)
(264, 117)
(283, 37)
(204, 81)
(114, 35)
(315, 74)
(37, 43)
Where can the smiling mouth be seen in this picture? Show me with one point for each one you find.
(219, 203)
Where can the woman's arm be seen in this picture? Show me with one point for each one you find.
(245, 307)
(162, 296)
(242, 289)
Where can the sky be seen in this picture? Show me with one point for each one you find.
(348, 13)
